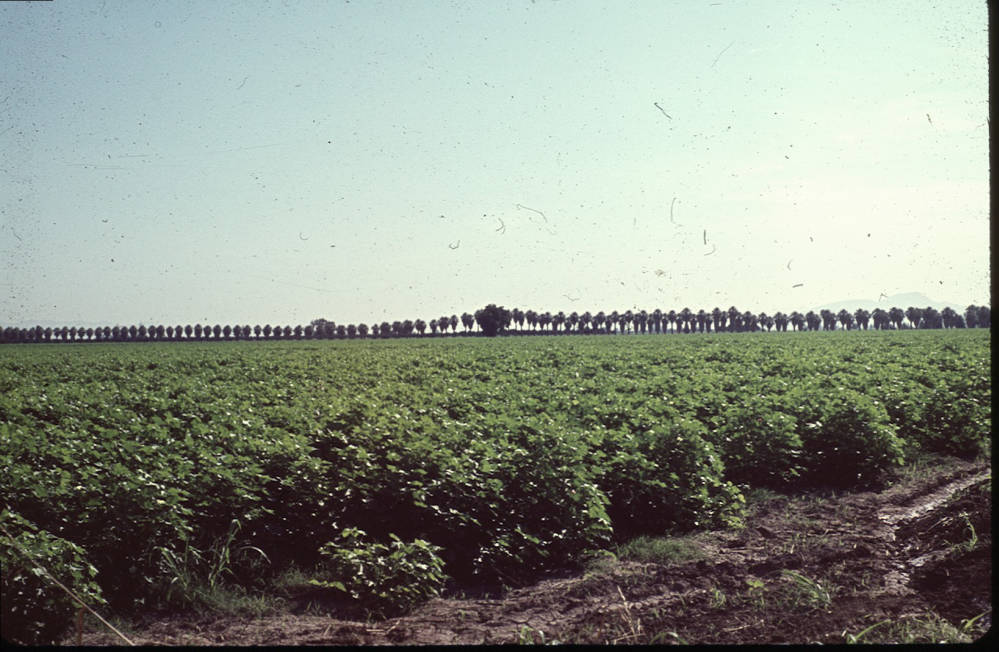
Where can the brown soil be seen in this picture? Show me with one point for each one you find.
(906, 555)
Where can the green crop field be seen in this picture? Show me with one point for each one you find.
(148, 474)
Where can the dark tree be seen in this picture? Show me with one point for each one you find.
(571, 321)
(828, 320)
(641, 321)
(932, 318)
(492, 319)
(863, 318)
(599, 320)
(896, 315)
(518, 318)
(813, 320)
(686, 317)
(797, 320)
(984, 317)
(530, 316)
(780, 321)
(971, 316)
(845, 318)
(558, 320)
(880, 319)
(719, 318)
(545, 319)
(467, 321)
(734, 319)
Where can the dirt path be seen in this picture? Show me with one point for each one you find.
(805, 569)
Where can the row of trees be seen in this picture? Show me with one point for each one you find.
(493, 320)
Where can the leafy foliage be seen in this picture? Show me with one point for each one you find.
(35, 610)
(385, 579)
(506, 456)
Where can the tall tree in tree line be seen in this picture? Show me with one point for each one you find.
(684, 319)
(558, 320)
(845, 318)
(599, 320)
(862, 317)
(492, 319)
(828, 319)
(932, 318)
(613, 320)
(641, 321)
(896, 315)
(571, 321)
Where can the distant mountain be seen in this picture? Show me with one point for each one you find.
(903, 301)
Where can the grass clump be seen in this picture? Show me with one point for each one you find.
(660, 550)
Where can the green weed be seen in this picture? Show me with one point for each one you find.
(530, 636)
(928, 628)
(811, 592)
(660, 550)
(857, 638)
(717, 598)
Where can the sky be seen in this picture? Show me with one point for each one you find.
(276, 162)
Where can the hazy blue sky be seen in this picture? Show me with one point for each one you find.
(274, 162)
